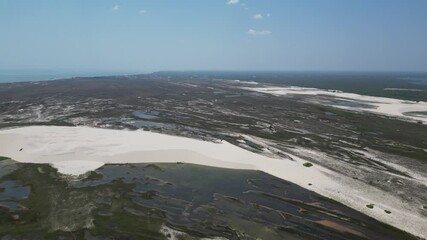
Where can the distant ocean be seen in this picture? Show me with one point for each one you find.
(422, 80)
(7, 76)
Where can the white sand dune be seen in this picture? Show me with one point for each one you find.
(380, 105)
(76, 150)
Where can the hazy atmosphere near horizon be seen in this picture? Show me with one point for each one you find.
(143, 36)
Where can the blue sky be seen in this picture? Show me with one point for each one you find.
(151, 35)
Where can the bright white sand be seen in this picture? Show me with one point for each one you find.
(76, 167)
(75, 150)
(382, 105)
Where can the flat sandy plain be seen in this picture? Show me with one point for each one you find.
(378, 105)
(364, 149)
(82, 149)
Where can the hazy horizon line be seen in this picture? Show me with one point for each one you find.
(136, 72)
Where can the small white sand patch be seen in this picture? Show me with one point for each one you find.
(380, 105)
(172, 234)
(76, 167)
(245, 82)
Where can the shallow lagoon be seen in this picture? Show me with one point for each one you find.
(146, 115)
(152, 201)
